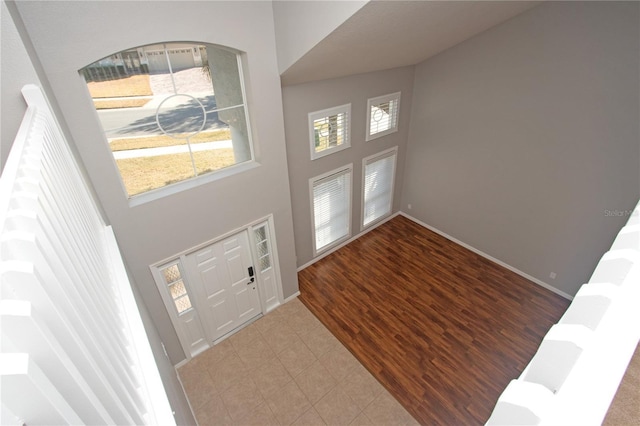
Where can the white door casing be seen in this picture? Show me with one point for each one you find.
(217, 295)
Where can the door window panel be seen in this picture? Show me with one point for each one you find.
(173, 279)
(382, 115)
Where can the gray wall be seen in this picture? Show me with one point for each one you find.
(523, 137)
(69, 35)
(299, 100)
(172, 385)
(300, 25)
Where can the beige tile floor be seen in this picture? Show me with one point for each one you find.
(286, 368)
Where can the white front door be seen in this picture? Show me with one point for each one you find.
(222, 276)
(212, 291)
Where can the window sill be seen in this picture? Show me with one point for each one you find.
(380, 134)
(329, 151)
(185, 185)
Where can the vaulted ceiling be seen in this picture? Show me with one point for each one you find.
(388, 34)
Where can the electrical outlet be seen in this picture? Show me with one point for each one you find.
(409, 206)
(552, 275)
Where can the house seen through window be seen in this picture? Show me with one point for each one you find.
(171, 112)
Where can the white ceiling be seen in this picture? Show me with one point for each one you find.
(388, 34)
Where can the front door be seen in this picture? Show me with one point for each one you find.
(222, 276)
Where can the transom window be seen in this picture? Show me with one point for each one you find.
(171, 112)
(382, 115)
(329, 130)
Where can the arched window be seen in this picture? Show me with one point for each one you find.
(171, 112)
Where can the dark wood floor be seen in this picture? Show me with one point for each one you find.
(443, 329)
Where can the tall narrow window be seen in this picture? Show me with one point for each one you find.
(171, 112)
(378, 180)
(266, 265)
(262, 247)
(382, 115)
(329, 130)
(331, 205)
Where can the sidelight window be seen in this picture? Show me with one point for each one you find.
(329, 130)
(378, 181)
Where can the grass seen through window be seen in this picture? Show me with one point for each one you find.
(144, 174)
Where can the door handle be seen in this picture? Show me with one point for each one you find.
(252, 280)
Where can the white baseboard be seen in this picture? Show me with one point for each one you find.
(491, 258)
(290, 298)
(339, 246)
(180, 364)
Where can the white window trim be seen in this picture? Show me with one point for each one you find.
(346, 109)
(391, 152)
(377, 101)
(196, 302)
(345, 169)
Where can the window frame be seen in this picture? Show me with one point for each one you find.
(259, 266)
(391, 152)
(344, 170)
(325, 113)
(200, 178)
(371, 102)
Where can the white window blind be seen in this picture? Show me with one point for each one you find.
(331, 195)
(382, 115)
(378, 180)
(329, 130)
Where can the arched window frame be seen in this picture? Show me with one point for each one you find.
(148, 170)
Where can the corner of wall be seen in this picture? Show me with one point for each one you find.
(300, 25)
